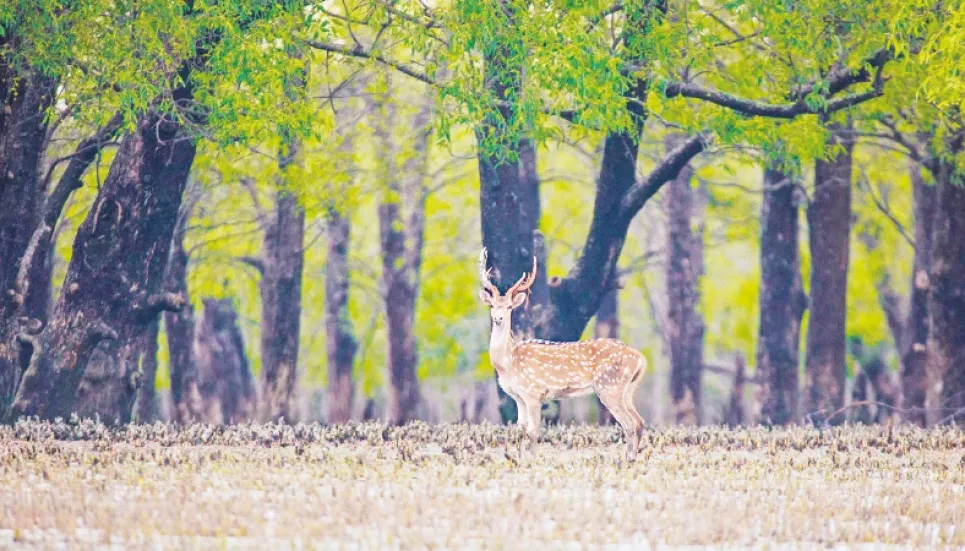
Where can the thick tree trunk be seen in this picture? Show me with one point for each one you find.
(108, 390)
(947, 295)
(685, 326)
(402, 230)
(829, 224)
(913, 344)
(226, 384)
(781, 301)
(607, 327)
(148, 409)
(338, 324)
(24, 100)
(281, 299)
(112, 291)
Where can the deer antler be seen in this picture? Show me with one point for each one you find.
(524, 282)
(484, 275)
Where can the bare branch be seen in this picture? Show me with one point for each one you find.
(666, 170)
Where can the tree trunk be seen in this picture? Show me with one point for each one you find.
(885, 387)
(507, 226)
(576, 297)
(947, 294)
(685, 326)
(781, 301)
(281, 298)
(338, 324)
(226, 385)
(24, 100)
(148, 409)
(339, 333)
(913, 344)
(179, 328)
(402, 229)
(607, 327)
(112, 291)
(736, 415)
(829, 223)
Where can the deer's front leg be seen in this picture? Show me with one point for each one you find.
(534, 418)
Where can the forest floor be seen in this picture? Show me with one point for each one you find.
(366, 486)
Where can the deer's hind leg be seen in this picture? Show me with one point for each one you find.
(613, 399)
(628, 401)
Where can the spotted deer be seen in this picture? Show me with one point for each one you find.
(535, 371)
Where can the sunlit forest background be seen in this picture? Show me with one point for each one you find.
(347, 156)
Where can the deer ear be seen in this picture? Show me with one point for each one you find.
(485, 296)
(519, 299)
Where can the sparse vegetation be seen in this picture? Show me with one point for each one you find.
(467, 486)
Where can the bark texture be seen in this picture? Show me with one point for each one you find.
(281, 300)
(24, 100)
(829, 230)
(685, 326)
(947, 295)
(112, 291)
(226, 384)
(148, 408)
(782, 301)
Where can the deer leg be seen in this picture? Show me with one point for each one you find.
(533, 413)
(628, 401)
(522, 419)
(614, 402)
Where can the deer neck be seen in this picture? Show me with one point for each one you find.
(501, 346)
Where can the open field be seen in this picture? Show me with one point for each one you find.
(460, 486)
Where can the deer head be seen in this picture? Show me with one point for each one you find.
(501, 306)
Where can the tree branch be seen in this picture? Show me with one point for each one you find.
(360, 52)
(762, 109)
(840, 78)
(148, 308)
(666, 170)
(256, 263)
(596, 19)
(80, 160)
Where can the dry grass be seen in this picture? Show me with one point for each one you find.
(463, 487)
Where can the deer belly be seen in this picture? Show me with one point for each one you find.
(574, 391)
